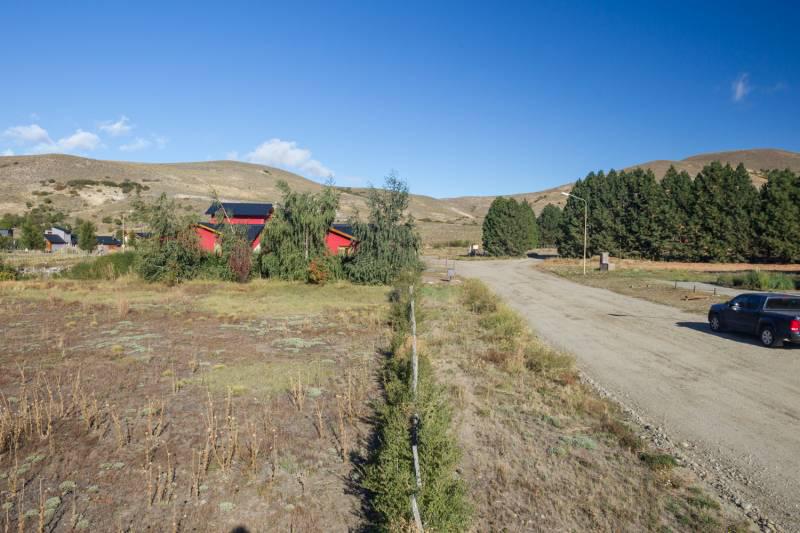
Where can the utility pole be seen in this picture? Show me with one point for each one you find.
(585, 226)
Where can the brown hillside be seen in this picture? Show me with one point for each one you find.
(36, 178)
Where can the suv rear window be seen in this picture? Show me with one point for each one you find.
(787, 304)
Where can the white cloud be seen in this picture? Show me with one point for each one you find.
(137, 144)
(740, 87)
(77, 142)
(32, 133)
(7, 152)
(118, 128)
(286, 154)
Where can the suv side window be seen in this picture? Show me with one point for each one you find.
(751, 302)
(739, 300)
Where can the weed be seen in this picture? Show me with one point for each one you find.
(658, 461)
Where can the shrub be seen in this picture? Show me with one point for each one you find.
(389, 475)
(658, 461)
(477, 296)
(759, 280)
(7, 273)
(324, 268)
(108, 267)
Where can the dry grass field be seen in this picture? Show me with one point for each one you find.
(650, 280)
(205, 407)
(542, 452)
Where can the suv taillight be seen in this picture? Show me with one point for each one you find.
(794, 326)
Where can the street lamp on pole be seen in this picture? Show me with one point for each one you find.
(585, 225)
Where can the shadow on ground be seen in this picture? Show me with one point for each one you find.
(736, 337)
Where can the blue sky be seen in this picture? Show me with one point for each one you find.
(460, 98)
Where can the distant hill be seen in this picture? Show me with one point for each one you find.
(755, 161)
(96, 189)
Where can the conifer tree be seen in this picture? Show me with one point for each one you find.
(778, 217)
(678, 198)
(722, 218)
(509, 228)
(549, 223)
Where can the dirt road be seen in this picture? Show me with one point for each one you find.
(736, 404)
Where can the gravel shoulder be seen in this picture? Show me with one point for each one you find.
(733, 405)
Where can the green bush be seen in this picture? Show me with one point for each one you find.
(477, 296)
(759, 280)
(109, 266)
(389, 474)
(7, 273)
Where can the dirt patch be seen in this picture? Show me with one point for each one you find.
(162, 417)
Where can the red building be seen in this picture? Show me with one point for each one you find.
(255, 216)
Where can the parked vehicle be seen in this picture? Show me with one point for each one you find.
(775, 318)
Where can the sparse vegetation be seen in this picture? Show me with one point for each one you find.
(107, 267)
(759, 280)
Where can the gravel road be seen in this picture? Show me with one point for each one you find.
(731, 406)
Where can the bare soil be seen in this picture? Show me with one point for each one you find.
(139, 414)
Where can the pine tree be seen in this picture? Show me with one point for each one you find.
(679, 199)
(778, 217)
(549, 222)
(570, 239)
(723, 213)
(508, 228)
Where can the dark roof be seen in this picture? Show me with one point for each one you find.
(253, 230)
(54, 239)
(6, 231)
(344, 228)
(236, 209)
(143, 234)
(108, 240)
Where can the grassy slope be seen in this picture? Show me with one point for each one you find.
(541, 450)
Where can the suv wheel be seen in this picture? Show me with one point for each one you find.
(714, 323)
(767, 337)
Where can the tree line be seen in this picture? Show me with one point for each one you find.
(720, 216)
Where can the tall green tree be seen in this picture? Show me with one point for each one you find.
(509, 228)
(32, 235)
(679, 198)
(172, 254)
(295, 235)
(778, 217)
(723, 214)
(87, 235)
(549, 223)
(388, 243)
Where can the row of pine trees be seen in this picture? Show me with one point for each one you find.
(720, 216)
